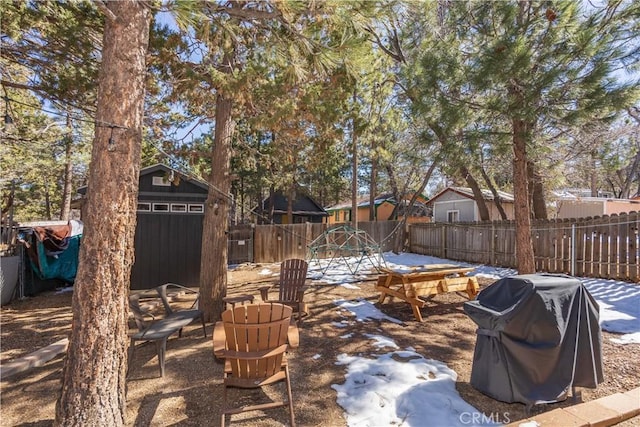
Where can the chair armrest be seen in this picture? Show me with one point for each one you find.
(138, 313)
(162, 293)
(189, 291)
(293, 335)
(175, 285)
(219, 340)
(254, 355)
(264, 292)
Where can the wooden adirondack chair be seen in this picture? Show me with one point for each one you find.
(255, 343)
(291, 287)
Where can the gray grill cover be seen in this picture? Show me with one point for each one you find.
(538, 335)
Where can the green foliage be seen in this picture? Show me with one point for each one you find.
(43, 58)
(33, 157)
(550, 64)
(43, 37)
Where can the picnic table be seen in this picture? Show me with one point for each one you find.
(411, 284)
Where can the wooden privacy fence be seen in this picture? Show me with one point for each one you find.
(277, 242)
(604, 247)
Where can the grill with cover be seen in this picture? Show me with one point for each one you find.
(538, 336)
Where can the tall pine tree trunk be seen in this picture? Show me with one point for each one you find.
(291, 196)
(373, 184)
(496, 196)
(354, 170)
(93, 379)
(47, 199)
(65, 209)
(483, 211)
(213, 264)
(524, 246)
(536, 190)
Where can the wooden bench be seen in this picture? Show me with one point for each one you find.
(411, 285)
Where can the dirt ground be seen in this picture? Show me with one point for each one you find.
(191, 389)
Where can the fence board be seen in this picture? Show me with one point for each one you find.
(539, 231)
(570, 254)
(604, 246)
(588, 247)
(605, 259)
(598, 243)
(623, 255)
(578, 232)
(614, 247)
(277, 242)
(634, 247)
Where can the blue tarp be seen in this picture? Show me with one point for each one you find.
(62, 266)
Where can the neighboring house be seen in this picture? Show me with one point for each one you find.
(581, 192)
(454, 204)
(582, 207)
(384, 205)
(168, 235)
(304, 209)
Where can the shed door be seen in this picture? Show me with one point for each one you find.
(167, 249)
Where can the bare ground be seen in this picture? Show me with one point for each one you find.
(189, 393)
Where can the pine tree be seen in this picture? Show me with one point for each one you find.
(94, 374)
(528, 67)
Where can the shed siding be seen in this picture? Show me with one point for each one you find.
(466, 209)
(183, 187)
(449, 195)
(494, 213)
(167, 249)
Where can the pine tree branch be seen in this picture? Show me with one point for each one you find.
(238, 11)
(397, 56)
(104, 9)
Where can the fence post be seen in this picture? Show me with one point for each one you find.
(573, 249)
(444, 241)
(492, 243)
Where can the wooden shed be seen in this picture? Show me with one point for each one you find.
(168, 235)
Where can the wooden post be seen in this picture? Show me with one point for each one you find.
(444, 241)
(614, 247)
(492, 254)
(588, 248)
(573, 249)
(623, 237)
(634, 262)
(605, 260)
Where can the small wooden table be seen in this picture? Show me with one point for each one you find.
(239, 299)
(430, 280)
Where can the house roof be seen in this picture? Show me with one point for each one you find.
(468, 193)
(302, 205)
(183, 175)
(362, 201)
(580, 193)
(166, 169)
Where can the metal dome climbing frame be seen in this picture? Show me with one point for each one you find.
(342, 242)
